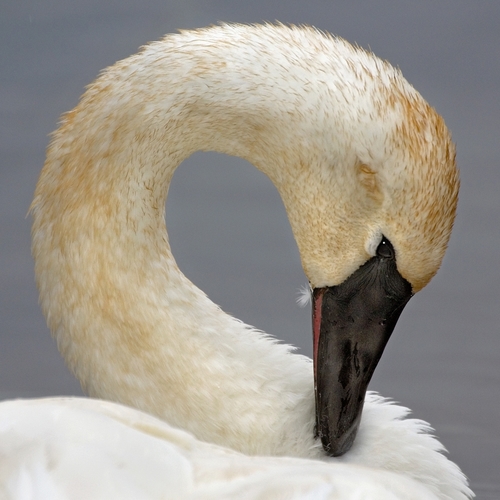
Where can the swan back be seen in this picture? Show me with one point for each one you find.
(79, 448)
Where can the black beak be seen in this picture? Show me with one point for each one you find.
(352, 323)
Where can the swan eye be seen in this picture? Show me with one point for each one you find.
(385, 250)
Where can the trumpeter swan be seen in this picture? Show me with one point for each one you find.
(366, 171)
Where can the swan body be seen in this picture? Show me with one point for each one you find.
(356, 155)
(75, 448)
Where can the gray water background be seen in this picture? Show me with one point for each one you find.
(227, 225)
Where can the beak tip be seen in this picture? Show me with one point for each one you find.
(336, 446)
(343, 446)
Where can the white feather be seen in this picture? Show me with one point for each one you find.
(77, 449)
(304, 297)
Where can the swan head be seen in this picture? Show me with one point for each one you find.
(372, 210)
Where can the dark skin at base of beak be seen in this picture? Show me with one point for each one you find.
(352, 323)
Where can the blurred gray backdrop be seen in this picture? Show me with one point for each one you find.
(227, 225)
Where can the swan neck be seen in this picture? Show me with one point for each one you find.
(130, 325)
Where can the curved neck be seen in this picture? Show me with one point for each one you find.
(130, 325)
(128, 322)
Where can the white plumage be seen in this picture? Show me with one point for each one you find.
(355, 154)
(69, 448)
